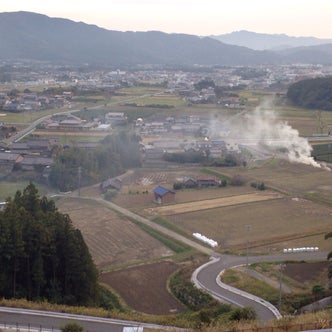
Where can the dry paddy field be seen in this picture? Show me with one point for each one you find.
(213, 203)
(113, 241)
(291, 178)
(278, 219)
(148, 292)
(274, 224)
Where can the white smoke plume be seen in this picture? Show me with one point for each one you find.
(265, 133)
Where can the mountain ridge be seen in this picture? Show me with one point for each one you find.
(37, 37)
(263, 41)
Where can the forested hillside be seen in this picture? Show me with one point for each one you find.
(42, 256)
(312, 93)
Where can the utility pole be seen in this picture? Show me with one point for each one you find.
(79, 180)
(281, 266)
(248, 227)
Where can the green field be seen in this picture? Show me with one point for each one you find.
(8, 189)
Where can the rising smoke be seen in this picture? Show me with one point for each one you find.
(265, 135)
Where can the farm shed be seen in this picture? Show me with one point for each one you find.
(114, 183)
(163, 195)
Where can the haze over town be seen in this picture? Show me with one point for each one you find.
(294, 18)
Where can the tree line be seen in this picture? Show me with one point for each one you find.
(74, 167)
(42, 255)
(312, 93)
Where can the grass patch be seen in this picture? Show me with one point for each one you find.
(299, 293)
(251, 285)
(319, 197)
(162, 222)
(9, 189)
(174, 245)
(215, 173)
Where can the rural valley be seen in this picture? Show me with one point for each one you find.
(170, 195)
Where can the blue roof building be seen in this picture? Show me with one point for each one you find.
(163, 195)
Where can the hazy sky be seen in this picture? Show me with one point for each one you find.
(199, 17)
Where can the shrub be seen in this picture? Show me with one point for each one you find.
(223, 183)
(238, 180)
(110, 194)
(246, 313)
(177, 185)
(71, 327)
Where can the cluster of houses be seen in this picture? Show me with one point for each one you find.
(178, 134)
(32, 101)
(180, 125)
(161, 194)
(73, 123)
(33, 154)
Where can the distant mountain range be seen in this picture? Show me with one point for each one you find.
(31, 36)
(262, 41)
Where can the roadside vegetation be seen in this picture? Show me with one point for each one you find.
(299, 287)
(174, 245)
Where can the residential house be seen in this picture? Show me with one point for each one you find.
(32, 163)
(189, 182)
(207, 181)
(8, 160)
(36, 146)
(116, 118)
(70, 123)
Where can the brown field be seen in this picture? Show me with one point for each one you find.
(290, 221)
(144, 287)
(275, 224)
(213, 203)
(296, 179)
(307, 272)
(113, 241)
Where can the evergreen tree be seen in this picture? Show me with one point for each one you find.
(42, 256)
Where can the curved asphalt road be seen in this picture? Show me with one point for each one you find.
(37, 320)
(207, 277)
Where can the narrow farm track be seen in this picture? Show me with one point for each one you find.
(155, 226)
(207, 276)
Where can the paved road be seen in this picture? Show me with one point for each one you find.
(45, 320)
(207, 277)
